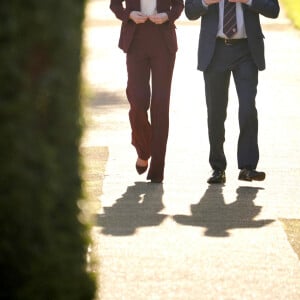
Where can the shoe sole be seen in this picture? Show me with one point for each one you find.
(258, 178)
(216, 182)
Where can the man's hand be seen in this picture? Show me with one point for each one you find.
(138, 17)
(159, 18)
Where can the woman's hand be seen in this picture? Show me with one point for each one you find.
(159, 18)
(138, 17)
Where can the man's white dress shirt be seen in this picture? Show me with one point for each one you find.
(241, 32)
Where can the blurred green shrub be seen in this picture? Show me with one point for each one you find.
(43, 245)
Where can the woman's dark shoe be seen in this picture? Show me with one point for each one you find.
(141, 169)
(155, 180)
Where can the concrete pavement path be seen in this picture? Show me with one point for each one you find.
(184, 239)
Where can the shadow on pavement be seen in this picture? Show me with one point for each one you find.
(138, 207)
(107, 98)
(218, 217)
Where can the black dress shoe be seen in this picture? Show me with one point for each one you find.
(249, 175)
(217, 177)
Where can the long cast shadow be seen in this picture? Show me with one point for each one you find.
(138, 207)
(107, 98)
(218, 217)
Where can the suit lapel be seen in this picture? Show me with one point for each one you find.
(137, 4)
(158, 5)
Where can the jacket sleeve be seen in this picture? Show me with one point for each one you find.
(119, 10)
(194, 9)
(176, 10)
(267, 8)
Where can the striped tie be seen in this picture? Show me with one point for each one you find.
(229, 21)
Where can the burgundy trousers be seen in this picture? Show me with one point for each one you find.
(150, 69)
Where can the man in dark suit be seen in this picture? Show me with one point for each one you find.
(231, 43)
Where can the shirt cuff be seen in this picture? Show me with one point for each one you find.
(205, 5)
(249, 2)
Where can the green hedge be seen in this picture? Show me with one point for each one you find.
(43, 246)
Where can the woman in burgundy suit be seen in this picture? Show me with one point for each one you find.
(148, 38)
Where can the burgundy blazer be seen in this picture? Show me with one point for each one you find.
(172, 7)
